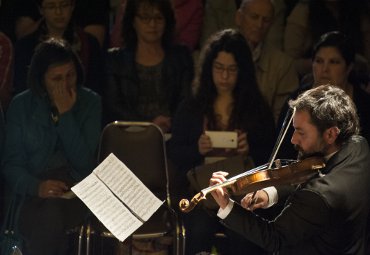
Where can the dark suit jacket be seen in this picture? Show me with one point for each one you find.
(327, 215)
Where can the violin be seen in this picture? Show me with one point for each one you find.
(275, 173)
(294, 172)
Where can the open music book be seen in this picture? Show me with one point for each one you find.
(117, 197)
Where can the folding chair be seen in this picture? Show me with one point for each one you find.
(141, 147)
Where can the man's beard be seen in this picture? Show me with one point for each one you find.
(303, 155)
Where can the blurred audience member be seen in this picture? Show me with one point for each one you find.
(11, 12)
(189, 18)
(275, 72)
(220, 14)
(56, 22)
(310, 19)
(91, 15)
(116, 39)
(149, 76)
(6, 71)
(275, 34)
(52, 133)
(226, 98)
(332, 62)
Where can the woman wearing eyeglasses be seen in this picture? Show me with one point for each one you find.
(57, 22)
(149, 75)
(226, 98)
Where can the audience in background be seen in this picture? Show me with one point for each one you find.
(188, 16)
(52, 133)
(226, 98)
(11, 11)
(310, 19)
(149, 76)
(332, 62)
(218, 15)
(116, 39)
(275, 71)
(57, 23)
(275, 34)
(189, 20)
(91, 15)
(6, 70)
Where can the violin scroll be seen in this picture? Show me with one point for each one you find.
(186, 206)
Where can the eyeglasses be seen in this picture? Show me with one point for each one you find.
(219, 68)
(54, 7)
(146, 19)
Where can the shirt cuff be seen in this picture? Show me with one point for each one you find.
(223, 213)
(272, 194)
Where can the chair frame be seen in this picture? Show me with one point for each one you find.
(178, 230)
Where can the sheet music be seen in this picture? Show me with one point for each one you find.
(106, 207)
(127, 187)
(99, 191)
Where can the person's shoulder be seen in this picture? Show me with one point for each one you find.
(301, 8)
(5, 40)
(179, 55)
(189, 104)
(178, 49)
(23, 99)
(22, 96)
(119, 54)
(359, 94)
(88, 94)
(91, 40)
(28, 40)
(359, 142)
(274, 53)
(275, 58)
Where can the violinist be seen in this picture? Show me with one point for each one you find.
(328, 213)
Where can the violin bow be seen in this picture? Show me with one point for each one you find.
(284, 129)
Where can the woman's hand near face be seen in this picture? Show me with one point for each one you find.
(204, 144)
(243, 145)
(52, 189)
(63, 97)
(60, 83)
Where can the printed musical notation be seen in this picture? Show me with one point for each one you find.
(117, 197)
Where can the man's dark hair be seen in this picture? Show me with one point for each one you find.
(329, 106)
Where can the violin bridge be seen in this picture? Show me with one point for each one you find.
(278, 163)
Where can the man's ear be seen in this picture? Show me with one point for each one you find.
(331, 134)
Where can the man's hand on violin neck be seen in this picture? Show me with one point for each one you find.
(260, 200)
(219, 194)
